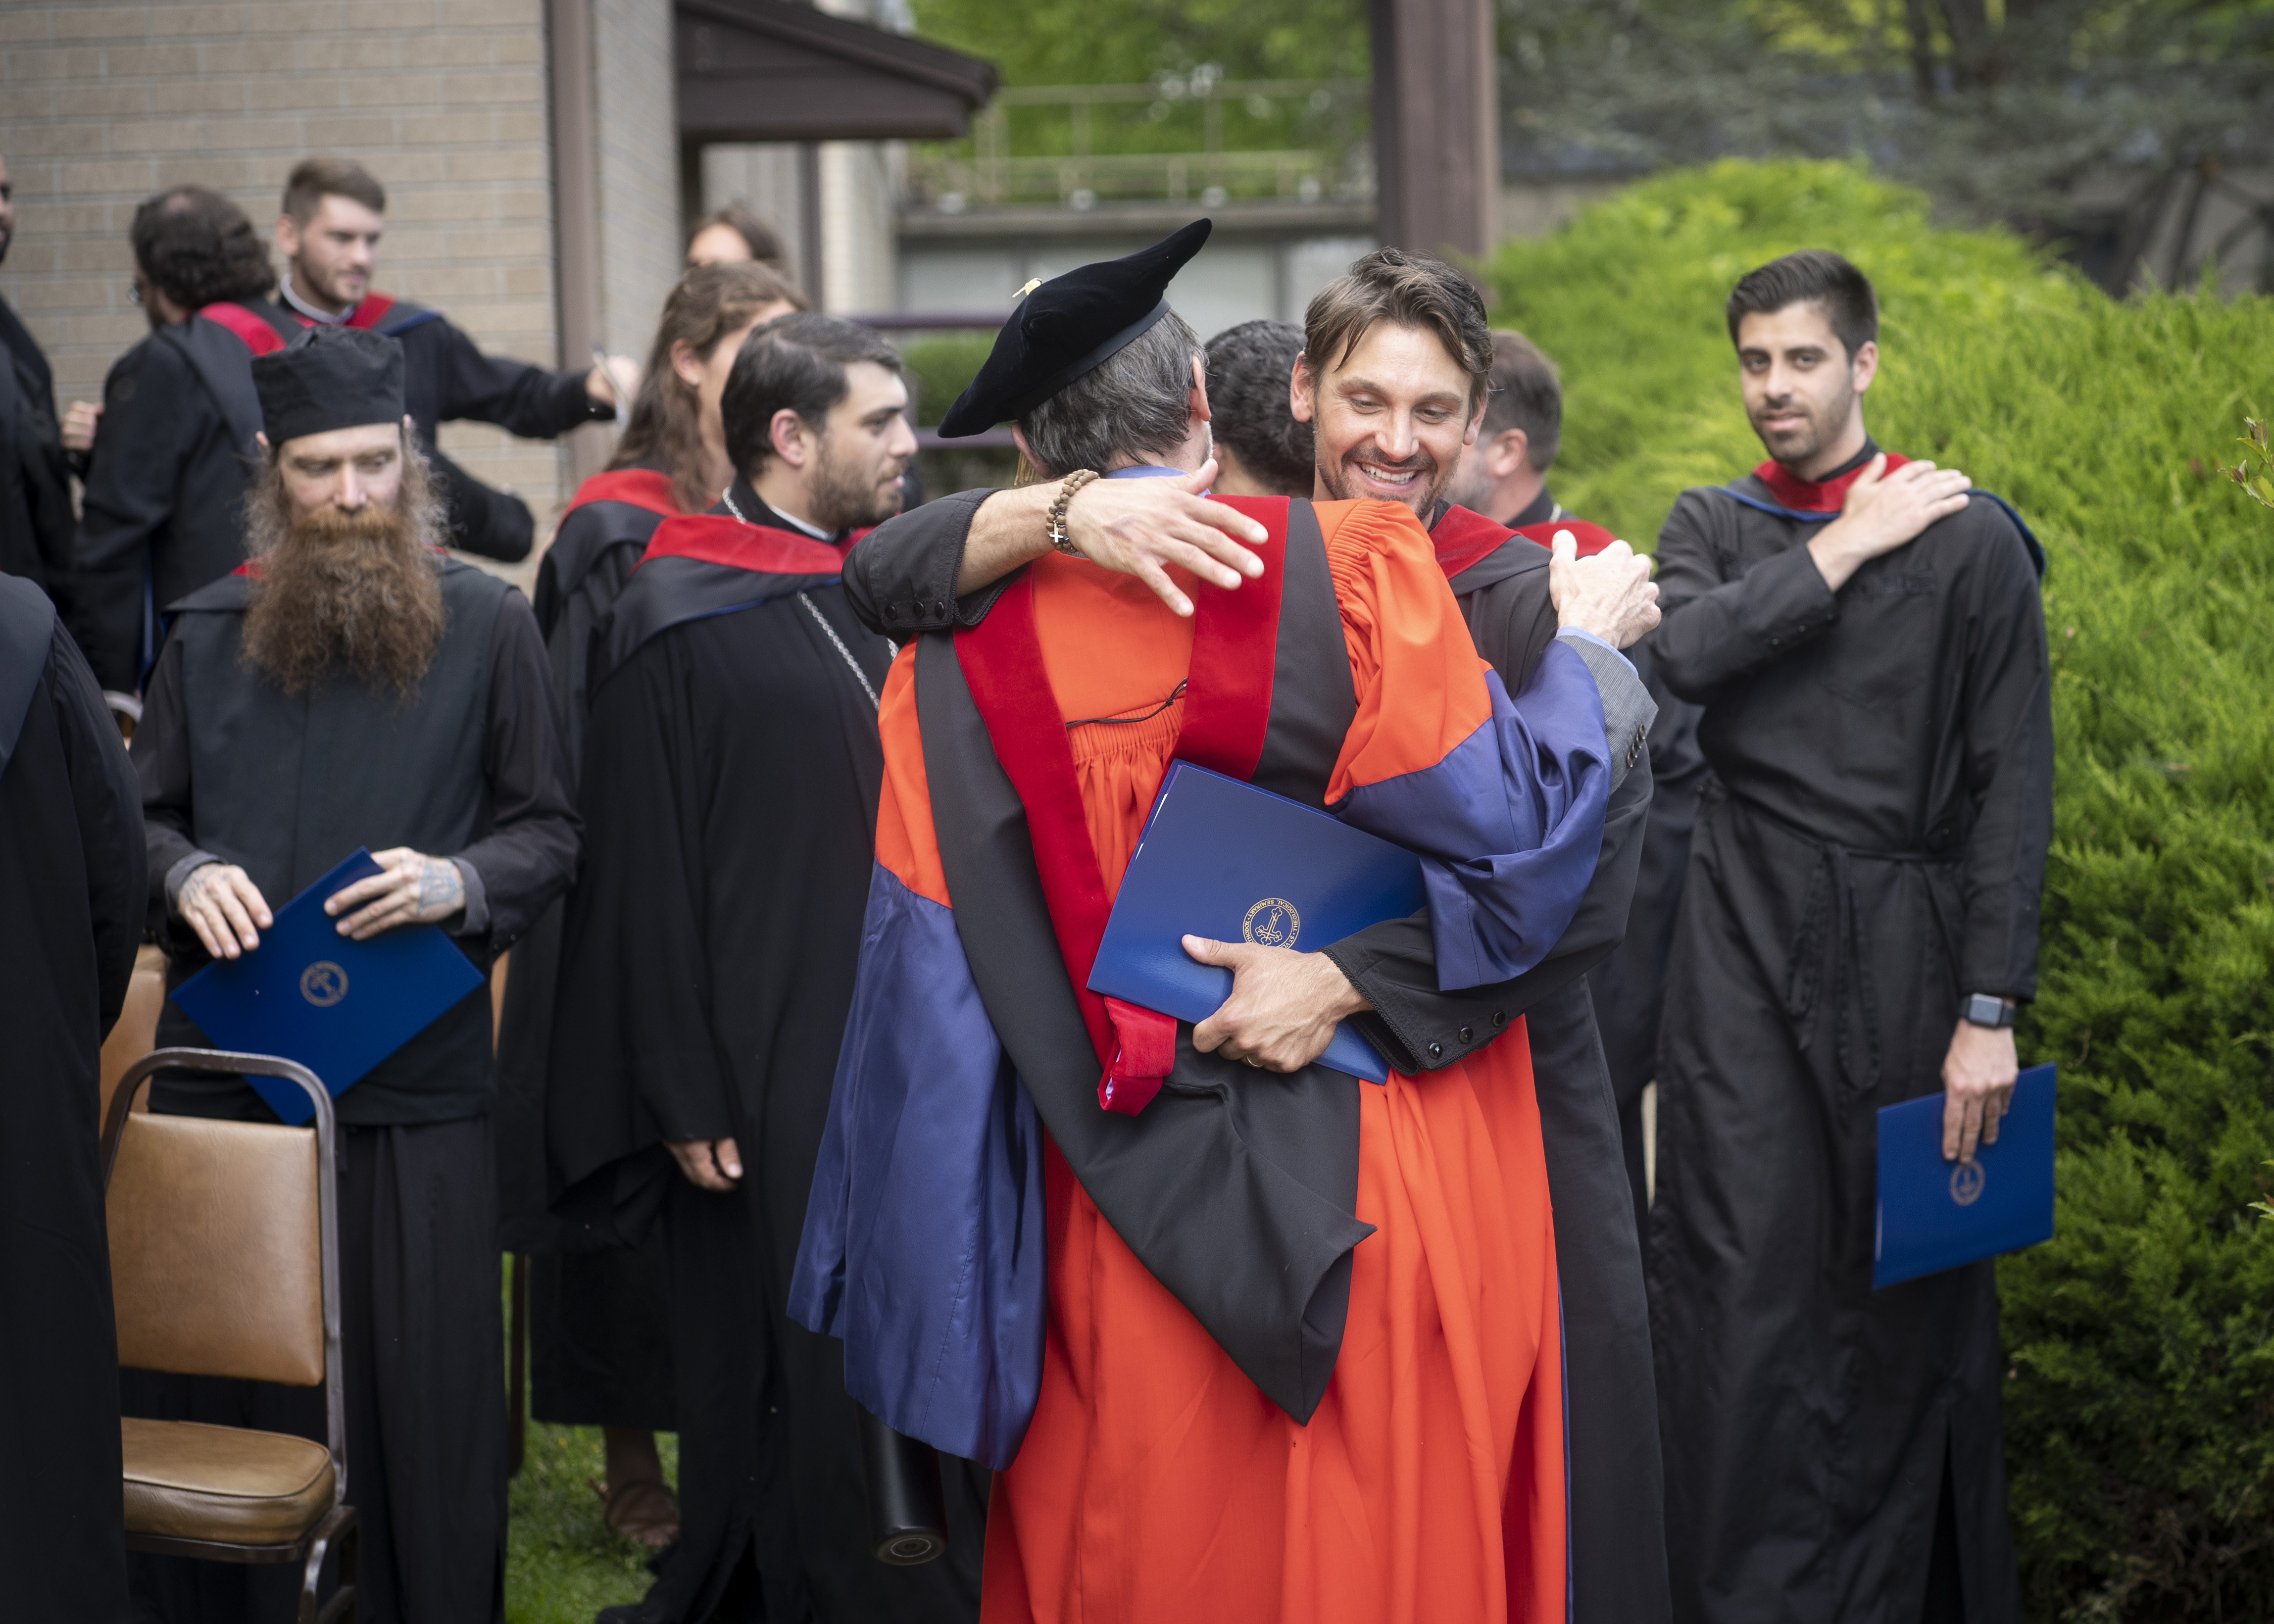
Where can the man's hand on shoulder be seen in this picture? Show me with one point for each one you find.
(1132, 527)
(1885, 511)
(1283, 1005)
(1610, 595)
(412, 890)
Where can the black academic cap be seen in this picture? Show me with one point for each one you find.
(328, 377)
(1069, 325)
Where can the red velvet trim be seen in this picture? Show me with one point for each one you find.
(371, 312)
(1227, 709)
(257, 334)
(1593, 538)
(720, 539)
(635, 487)
(1235, 639)
(1814, 495)
(1462, 536)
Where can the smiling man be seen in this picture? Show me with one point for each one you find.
(334, 219)
(349, 687)
(1859, 920)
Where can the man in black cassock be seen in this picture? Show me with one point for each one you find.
(334, 215)
(1859, 920)
(35, 507)
(599, 1351)
(1415, 330)
(351, 688)
(1504, 474)
(71, 891)
(730, 784)
(161, 515)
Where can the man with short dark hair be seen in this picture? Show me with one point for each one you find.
(166, 480)
(351, 687)
(1393, 381)
(730, 781)
(1261, 450)
(35, 506)
(1859, 920)
(334, 215)
(1504, 474)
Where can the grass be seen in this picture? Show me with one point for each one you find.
(562, 1564)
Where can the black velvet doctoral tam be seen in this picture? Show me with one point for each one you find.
(1070, 325)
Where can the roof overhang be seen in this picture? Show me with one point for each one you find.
(771, 71)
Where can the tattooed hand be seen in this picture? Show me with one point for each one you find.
(414, 888)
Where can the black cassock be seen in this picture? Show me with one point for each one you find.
(36, 507)
(901, 581)
(598, 1314)
(1870, 846)
(730, 784)
(71, 915)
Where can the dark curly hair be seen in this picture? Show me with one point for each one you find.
(199, 249)
(1248, 369)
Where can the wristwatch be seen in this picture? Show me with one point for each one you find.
(1985, 1009)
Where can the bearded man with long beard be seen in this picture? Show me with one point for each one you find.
(349, 687)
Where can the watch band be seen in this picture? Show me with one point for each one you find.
(1985, 1009)
(1055, 526)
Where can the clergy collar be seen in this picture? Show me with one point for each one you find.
(322, 317)
(744, 501)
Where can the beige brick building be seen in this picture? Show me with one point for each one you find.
(536, 165)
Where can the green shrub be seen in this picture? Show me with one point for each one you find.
(2140, 1398)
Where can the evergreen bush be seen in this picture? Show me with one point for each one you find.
(2140, 1341)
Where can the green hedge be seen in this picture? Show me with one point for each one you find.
(2140, 1398)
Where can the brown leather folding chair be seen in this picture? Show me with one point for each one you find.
(136, 1034)
(224, 1261)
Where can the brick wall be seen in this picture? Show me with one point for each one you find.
(103, 102)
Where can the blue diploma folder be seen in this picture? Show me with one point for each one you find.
(1228, 861)
(1936, 1214)
(337, 1006)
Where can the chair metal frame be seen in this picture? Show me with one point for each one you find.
(337, 1525)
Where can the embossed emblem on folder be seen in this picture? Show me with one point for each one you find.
(1272, 922)
(1966, 1182)
(323, 983)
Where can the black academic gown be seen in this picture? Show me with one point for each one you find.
(598, 1314)
(466, 766)
(1870, 846)
(900, 581)
(71, 916)
(36, 507)
(730, 784)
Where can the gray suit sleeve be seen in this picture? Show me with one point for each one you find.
(1628, 708)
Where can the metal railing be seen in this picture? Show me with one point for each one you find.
(1175, 139)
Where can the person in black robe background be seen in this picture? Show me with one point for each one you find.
(600, 1350)
(333, 216)
(72, 891)
(351, 688)
(938, 566)
(1867, 642)
(731, 773)
(162, 512)
(36, 519)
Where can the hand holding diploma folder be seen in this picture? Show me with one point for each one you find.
(1936, 1214)
(336, 1006)
(1224, 859)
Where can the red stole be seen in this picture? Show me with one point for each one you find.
(1227, 709)
(1817, 495)
(721, 538)
(257, 334)
(635, 487)
(1463, 537)
(371, 312)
